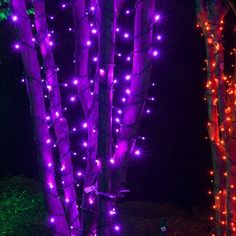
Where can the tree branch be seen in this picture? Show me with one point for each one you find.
(60, 123)
(42, 136)
(144, 19)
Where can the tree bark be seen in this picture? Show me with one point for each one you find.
(232, 4)
(106, 21)
(89, 104)
(230, 143)
(59, 122)
(142, 56)
(42, 136)
(210, 15)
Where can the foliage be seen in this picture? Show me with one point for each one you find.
(5, 10)
(4, 13)
(22, 212)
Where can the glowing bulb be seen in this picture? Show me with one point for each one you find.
(117, 228)
(98, 163)
(63, 168)
(17, 46)
(155, 53)
(48, 141)
(72, 99)
(79, 174)
(88, 43)
(117, 120)
(126, 35)
(92, 8)
(85, 125)
(91, 201)
(112, 212)
(137, 152)
(75, 82)
(112, 161)
(85, 144)
(127, 77)
(14, 18)
(49, 87)
(52, 220)
(127, 91)
(157, 17)
(102, 72)
(94, 31)
(50, 185)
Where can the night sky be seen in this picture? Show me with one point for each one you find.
(176, 157)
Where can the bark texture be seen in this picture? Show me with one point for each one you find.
(142, 56)
(42, 136)
(59, 122)
(106, 21)
(89, 104)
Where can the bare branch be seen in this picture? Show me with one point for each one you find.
(60, 123)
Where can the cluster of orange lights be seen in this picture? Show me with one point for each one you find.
(212, 33)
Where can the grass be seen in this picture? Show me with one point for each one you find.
(21, 207)
(22, 213)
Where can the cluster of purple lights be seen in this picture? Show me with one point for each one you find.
(73, 98)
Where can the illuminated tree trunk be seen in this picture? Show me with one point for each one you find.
(89, 104)
(210, 15)
(103, 180)
(230, 143)
(144, 20)
(59, 122)
(42, 136)
(106, 21)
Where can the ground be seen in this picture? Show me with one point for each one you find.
(22, 213)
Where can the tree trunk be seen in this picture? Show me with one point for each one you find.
(210, 15)
(230, 143)
(140, 80)
(106, 21)
(232, 4)
(89, 104)
(42, 136)
(214, 135)
(59, 122)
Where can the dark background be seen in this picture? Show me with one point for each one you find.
(176, 157)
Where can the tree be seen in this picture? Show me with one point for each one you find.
(221, 112)
(109, 149)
